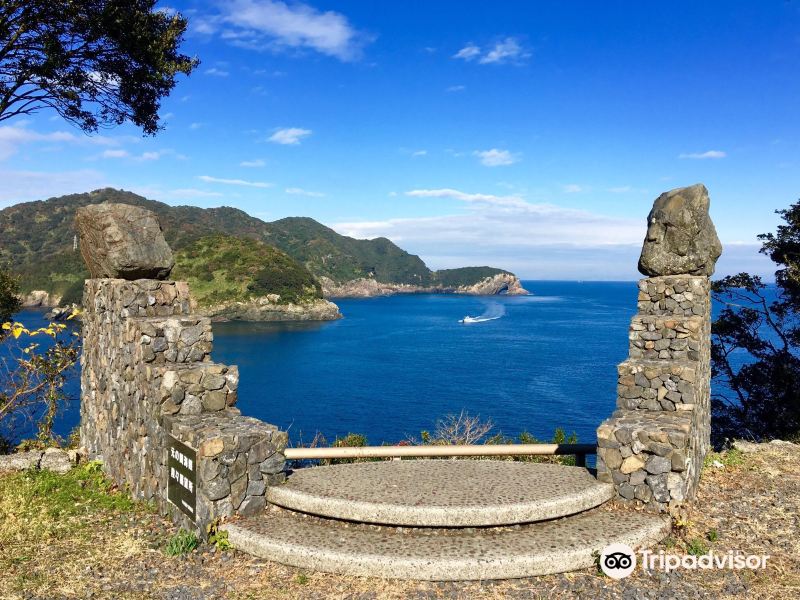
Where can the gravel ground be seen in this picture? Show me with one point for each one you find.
(751, 505)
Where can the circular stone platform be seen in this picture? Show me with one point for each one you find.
(437, 554)
(441, 493)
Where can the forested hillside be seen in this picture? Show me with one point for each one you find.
(38, 241)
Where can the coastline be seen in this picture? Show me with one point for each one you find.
(369, 288)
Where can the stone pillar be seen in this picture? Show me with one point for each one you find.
(652, 448)
(147, 374)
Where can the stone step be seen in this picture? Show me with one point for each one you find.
(442, 555)
(658, 385)
(442, 493)
(665, 337)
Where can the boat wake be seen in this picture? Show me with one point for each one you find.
(493, 311)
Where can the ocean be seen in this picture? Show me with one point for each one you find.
(396, 365)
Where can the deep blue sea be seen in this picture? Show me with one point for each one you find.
(395, 365)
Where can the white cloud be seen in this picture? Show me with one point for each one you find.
(508, 50)
(196, 125)
(204, 25)
(296, 191)
(258, 162)
(22, 186)
(572, 188)
(535, 241)
(456, 88)
(418, 153)
(468, 52)
(488, 199)
(496, 157)
(272, 24)
(144, 156)
(104, 80)
(242, 182)
(12, 137)
(509, 232)
(289, 135)
(115, 154)
(216, 72)
(703, 155)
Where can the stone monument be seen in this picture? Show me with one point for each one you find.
(154, 406)
(652, 448)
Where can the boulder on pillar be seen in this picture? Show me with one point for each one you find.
(681, 239)
(121, 241)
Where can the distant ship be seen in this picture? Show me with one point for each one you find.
(469, 319)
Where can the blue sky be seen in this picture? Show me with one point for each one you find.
(532, 136)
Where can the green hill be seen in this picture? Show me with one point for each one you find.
(37, 238)
(342, 258)
(222, 268)
(453, 278)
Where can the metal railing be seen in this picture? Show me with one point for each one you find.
(578, 450)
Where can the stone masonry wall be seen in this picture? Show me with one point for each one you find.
(146, 372)
(652, 448)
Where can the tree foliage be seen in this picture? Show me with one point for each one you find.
(95, 62)
(756, 344)
(32, 377)
(9, 298)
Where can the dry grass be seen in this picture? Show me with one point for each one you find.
(63, 539)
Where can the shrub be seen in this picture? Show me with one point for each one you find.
(33, 377)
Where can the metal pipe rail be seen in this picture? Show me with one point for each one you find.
(579, 450)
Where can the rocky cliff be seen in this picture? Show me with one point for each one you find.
(269, 308)
(502, 283)
(40, 298)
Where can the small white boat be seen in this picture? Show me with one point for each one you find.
(469, 319)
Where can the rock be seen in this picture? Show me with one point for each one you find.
(263, 309)
(681, 239)
(122, 241)
(56, 459)
(62, 313)
(20, 461)
(256, 487)
(658, 464)
(252, 505)
(781, 443)
(502, 283)
(273, 464)
(746, 447)
(211, 447)
(40, 298)
(631, 464)
(53, 459)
